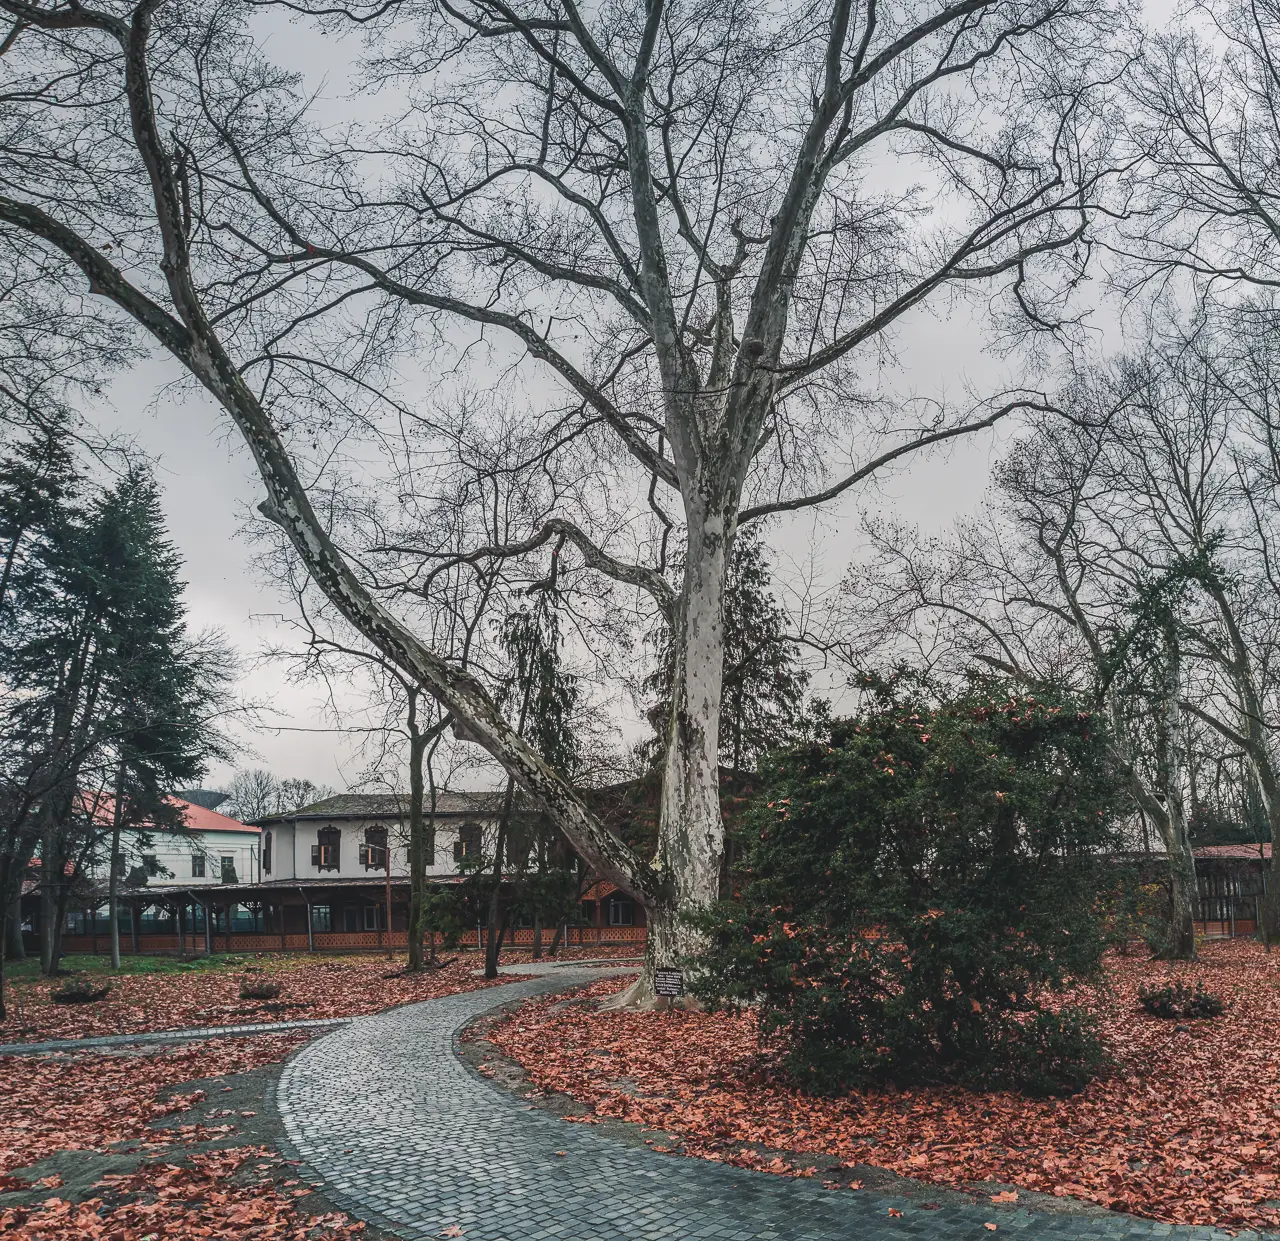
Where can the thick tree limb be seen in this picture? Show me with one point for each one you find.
(594, 557)
(289, 507)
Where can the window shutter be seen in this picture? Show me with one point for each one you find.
(315, 855)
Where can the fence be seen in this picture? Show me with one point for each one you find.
(345, 941)
(1228, 917)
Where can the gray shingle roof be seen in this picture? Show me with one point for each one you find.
(378, 805)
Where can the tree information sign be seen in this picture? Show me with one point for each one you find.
(668, 982)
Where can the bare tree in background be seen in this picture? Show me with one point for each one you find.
(1046, 586)
(256, 793)
(1205, 124)
(677, 235)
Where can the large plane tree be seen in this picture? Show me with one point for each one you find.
(669, 243)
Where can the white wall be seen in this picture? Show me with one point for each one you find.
(291, 846)
(173, 852)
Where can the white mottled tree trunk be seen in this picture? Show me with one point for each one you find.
(690, 828)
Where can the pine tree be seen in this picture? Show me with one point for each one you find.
(158, 689)
(764, 681)
(544, 696)
(38, 483)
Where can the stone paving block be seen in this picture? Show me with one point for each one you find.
(432, 1144)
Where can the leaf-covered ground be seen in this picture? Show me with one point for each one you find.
(95, 1102)
(209, 994)
(88, 1102)
(227, 1193)
(1185, 1128)
(99, 1102)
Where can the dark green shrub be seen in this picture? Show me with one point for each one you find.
(1176, 999)
(80, 991)
(921, 878)
(258, 989)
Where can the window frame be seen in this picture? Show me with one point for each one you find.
(326, 853)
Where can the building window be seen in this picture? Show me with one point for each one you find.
(373, 853)
(266, 853)
(151, 864)
(325, 854)
(468, 842)
(228, 870)
(351, 919)
(321, 918)
(589, 913)
(197, 866)
(622, 911)
(375, 917)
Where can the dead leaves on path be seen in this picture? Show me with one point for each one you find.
(1185, 1129)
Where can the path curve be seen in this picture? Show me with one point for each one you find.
(403, 1135)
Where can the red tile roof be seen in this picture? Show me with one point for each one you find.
(198, 818)
(1234, 851)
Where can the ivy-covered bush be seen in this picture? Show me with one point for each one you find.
(81, 990)
(258, 989)
(923, 878)
(1176, 999)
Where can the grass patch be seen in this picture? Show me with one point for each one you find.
(29, 970)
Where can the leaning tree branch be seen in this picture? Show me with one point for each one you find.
(594, 557)
(288, 505)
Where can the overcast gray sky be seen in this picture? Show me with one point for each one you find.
(210, 485)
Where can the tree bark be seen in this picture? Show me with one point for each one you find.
(52, 862)
(691, 828)
(496, 923)
(14, 948)
(421, 830)
(113, 875)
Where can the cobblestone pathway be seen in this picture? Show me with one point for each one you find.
(406, 1137)
(168, 1036)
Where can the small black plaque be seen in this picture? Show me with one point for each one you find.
(668, 982)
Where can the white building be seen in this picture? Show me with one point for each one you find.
(211, 849)
(344, 837)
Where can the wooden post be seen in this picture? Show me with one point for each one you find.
(311, 937)
(284, 943)
(91, 915)
(133, 925)
(207, 906)
(182, 937)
